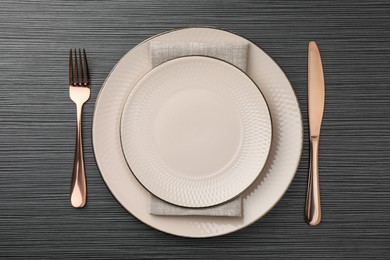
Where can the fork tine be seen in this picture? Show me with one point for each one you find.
(70, 67)
(86, 67)
(77, 67)
(82, 80)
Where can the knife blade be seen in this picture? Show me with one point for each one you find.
(316, 102)
(316, 90)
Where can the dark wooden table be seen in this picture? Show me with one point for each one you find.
(37, 127)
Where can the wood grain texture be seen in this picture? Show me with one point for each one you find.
(37, 127)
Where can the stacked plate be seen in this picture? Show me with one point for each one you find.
(197, 132)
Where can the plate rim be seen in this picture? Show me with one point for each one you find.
(295, 97)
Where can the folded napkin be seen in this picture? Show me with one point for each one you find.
(234, 53)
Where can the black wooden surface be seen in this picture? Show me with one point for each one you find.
(37, 127)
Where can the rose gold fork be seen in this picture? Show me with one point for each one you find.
(79, 91)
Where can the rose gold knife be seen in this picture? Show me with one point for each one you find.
(316, 94)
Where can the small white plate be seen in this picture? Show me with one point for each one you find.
(259, 198)
(196, 131)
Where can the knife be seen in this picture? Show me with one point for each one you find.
(316, 94)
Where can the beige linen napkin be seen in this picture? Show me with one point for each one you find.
(234, 53)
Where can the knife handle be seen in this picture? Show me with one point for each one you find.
(313, 202)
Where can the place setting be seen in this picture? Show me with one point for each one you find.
(197, 132)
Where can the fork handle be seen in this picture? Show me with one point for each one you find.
(78, 189)
(313, 202)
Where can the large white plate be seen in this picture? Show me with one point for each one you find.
(196, 131)
(266, 190)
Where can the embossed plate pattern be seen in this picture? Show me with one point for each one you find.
(196, 131)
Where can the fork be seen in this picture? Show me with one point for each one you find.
(79, 92)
